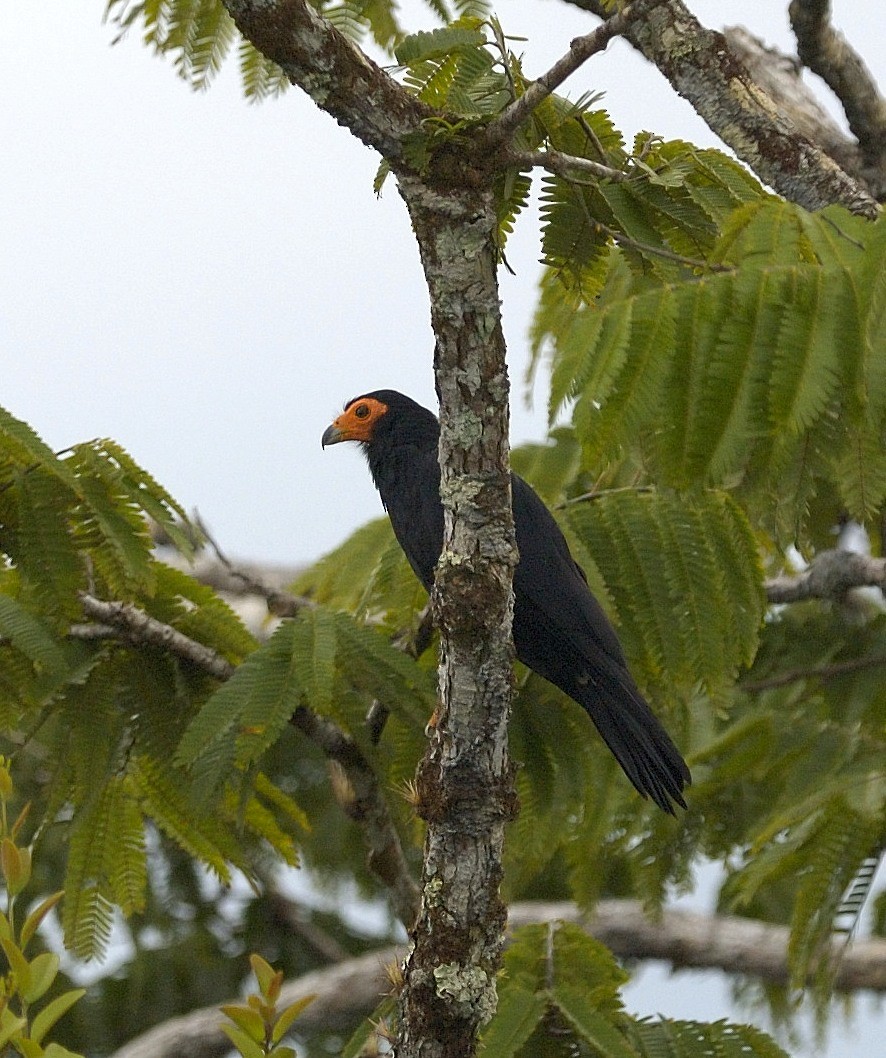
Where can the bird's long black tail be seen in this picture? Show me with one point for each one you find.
(637, 739)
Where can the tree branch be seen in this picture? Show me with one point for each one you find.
(580, 50)
(565, 164)
(821, 672)
(827, 53)
(464, 782)
(364, 803)
(702, 68)
(333, 71)
(140, 629)
(780, 76)
(281, 603)
(829, 576)
(684, 939)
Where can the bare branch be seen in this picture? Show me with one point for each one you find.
(690, 940)
(684, 939)
(333, 71)
(140, 629)
(701, 67)
(280, 603)
(827, 52)
(565, 164)
(830, 575)
(365, 804)
(288, 915)
(580, 50)
(821, 672)
(780, 76)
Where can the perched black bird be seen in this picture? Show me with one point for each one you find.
(560, 630)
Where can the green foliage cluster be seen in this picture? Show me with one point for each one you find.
(256, 1027)
(559, 995)
(27, 980)
(108, 714)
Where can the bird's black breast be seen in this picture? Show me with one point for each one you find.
(408, 481)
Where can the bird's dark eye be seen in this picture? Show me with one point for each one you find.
(361, 411)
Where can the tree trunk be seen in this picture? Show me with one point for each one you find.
(465, 785)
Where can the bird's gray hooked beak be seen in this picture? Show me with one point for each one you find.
(331, 436)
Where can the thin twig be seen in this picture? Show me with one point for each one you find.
(566, 164)
(366, 806)
(621, 239)
(599, 494)
(90, 632)
(821, 672)
(591, 134)
(280, 603)
(140, 629)
(580, 50)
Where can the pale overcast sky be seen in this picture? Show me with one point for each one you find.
(207, 281)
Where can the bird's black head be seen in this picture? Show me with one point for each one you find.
(382, 418)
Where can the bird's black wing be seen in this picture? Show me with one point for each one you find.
(562, 633)
(549, 576)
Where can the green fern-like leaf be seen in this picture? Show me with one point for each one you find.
(166, 799)
(262, 822)
(128, 871)
(464, 35)
(94, 860)
(198, 612)
(374, 667)
(837, 846)
(339, 579)
(737, 378)
(246, 714)
(658, 557)
(32, 639)
(145, 492)
(45, 551)
(557, 968)
(555, 746)
(110, 525)
(664, 1038)
(262, 79)
(22, 447)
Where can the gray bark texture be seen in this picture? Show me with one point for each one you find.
(465, 787)
(701, 67)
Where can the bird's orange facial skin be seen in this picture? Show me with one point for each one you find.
(357, 421)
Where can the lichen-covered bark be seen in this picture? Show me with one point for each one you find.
(701, 67)
(332, 71)
(464, 784)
